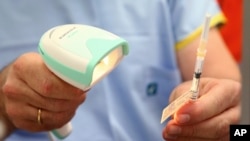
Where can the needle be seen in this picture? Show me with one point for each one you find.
(193, 93)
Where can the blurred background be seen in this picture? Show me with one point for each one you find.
(236, 33)
(245, 63)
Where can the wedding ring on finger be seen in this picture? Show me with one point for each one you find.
(39, 116)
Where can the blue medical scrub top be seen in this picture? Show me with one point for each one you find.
(127, 104)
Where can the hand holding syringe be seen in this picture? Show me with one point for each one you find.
(192, 94)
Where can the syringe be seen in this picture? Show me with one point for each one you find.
(193, 93)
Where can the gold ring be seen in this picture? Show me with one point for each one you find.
(39, 113)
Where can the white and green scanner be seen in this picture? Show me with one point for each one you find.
(80, 55)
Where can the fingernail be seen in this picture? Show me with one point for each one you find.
(183, 118)
(174, 130)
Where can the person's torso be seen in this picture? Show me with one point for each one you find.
(127, 104)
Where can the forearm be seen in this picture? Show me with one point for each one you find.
(218, 63)
(6, 126)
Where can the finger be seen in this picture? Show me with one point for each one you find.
(28, 116)
(213, 128)
(18, 90)
(216, 97)
(43, 81)
(33, 126)
(226, 138)
(56, 119)
(30, 125)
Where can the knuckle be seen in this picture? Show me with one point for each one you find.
(46, 87)
(9, 89)
(17, 65)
